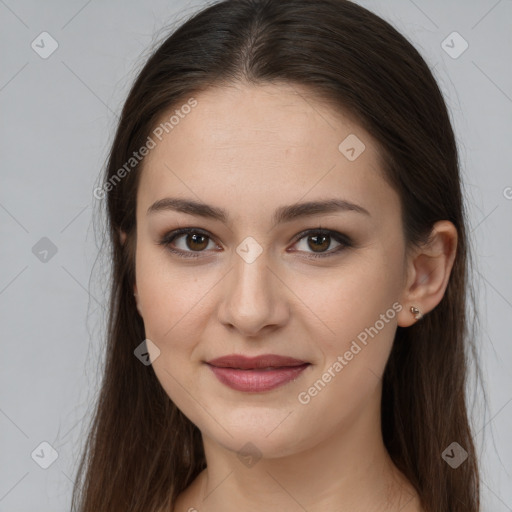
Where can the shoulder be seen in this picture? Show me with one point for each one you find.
(190, 498)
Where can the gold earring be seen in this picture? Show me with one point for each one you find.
(416, 312)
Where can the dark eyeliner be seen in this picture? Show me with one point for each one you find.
(168, 238)
(342, 239)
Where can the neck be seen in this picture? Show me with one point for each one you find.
(350, 470)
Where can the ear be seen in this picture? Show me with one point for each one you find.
(122, 236)
(428, 272)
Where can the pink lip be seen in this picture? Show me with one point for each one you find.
(256, 374)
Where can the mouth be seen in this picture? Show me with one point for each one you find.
(256, 374)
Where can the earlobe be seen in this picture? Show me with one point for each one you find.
(122, 236)
(429, 273)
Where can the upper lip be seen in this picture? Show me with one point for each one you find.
(248, 363)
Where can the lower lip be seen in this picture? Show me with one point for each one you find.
(257, 380)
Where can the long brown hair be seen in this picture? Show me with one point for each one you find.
(141, 451)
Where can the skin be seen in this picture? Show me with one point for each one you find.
(249, 150)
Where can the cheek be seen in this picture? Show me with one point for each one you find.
(170, 302)
(351, 299)
(354, 358)
(169, 295)
(360, 308)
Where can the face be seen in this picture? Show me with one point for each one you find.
(255, 276)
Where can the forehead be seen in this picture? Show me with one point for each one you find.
(245, 146)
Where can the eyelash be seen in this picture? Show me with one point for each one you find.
(344, 240)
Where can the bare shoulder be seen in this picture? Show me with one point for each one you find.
(185, 501)
(410, 501)
(407, 498)
(189, 499)
(413, 505)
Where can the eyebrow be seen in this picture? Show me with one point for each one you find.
(282, 214)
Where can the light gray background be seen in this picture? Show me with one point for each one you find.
(58, 116)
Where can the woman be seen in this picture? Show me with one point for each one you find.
(287, 324)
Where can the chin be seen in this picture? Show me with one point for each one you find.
(268, 433)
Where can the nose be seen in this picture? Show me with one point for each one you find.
(254, 298)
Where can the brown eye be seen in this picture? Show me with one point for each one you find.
(191, 242)
(196, 242)
(319, 243)
(316, 243)
(186, 241)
